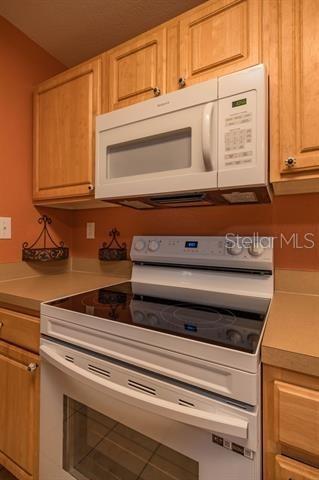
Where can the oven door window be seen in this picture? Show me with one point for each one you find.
(96, 447)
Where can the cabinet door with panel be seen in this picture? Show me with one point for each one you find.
(136, 70)
(64, 129)
(19, 411)
(291, 424)
(287, 469)
(20, 329)
(298, 92)
(218, 38)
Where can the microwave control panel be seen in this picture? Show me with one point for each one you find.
(237, 134)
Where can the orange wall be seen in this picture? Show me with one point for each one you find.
(287, 215)
(23, 64)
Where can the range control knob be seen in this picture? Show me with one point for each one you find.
(153, 245)
(234, 249)
(255, 250)
(139, 245)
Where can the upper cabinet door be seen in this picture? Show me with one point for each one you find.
(64, 124)
(298, 85)
(219, 38)
(136, 70)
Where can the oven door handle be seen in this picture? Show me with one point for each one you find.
(217, 421)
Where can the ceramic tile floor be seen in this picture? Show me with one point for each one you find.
(5, 475)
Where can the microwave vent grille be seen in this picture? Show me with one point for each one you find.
(180, 198)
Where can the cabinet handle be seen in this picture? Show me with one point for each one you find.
(290, 162)
(91, 187)
(156, 91)
(181, 82)
(1, 325)
(32, 367)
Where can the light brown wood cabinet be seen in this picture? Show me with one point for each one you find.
(64, 125)
(291, 425)
(295, 156)
(287, 469)
(136, 70)
(218, 38)
(215, 38)
(20, 329)
(19, 411)
(19, 395)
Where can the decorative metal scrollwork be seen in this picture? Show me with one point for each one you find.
(113, 250)
(34, 253)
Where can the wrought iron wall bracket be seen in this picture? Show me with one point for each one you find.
(34, 253)
(113, 251)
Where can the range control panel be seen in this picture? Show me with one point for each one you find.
(229, 251)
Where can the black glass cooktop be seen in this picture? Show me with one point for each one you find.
(232, 328)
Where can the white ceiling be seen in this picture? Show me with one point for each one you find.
(75, 30)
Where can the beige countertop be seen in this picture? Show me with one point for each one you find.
(28, 293)
(291, 338)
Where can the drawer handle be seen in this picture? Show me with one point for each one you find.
(32, 367)
(1, 325)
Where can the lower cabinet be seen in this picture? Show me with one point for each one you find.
(291, 425)
(287, 469)
(19, 408)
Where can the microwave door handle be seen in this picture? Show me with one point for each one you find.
(211, 421)
(207, 125)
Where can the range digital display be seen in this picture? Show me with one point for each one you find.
(191, 244)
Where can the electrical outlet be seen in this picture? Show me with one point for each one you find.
(90, 230)
(5, 228)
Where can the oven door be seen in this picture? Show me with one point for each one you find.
(101, 420)
(169, 152)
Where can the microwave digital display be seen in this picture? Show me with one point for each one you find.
(239, 103)
(191, 244)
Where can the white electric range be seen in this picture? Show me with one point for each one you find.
(159, 377)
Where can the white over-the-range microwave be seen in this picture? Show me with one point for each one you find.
(203, 145)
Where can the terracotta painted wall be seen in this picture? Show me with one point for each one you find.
(287, 215)
(23, 64)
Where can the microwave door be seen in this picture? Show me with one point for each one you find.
(173, 152)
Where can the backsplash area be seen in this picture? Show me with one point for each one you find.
(289, 218)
